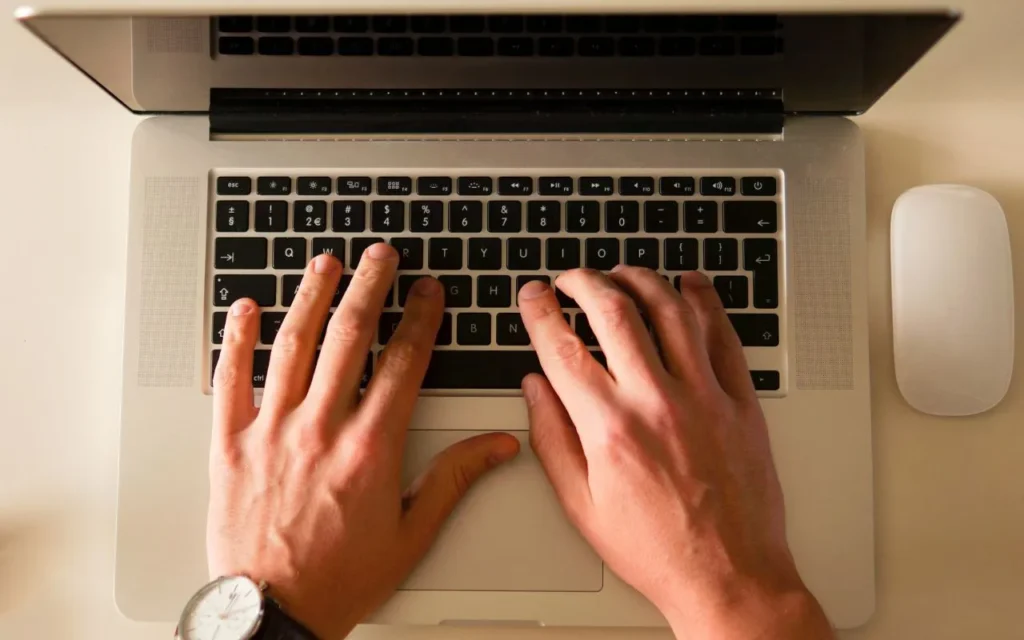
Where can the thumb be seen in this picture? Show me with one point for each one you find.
(434, 495)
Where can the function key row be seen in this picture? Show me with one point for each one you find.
(508, 186)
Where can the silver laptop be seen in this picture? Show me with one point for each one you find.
(491, 150)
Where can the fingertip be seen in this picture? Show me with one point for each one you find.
(505, 448)
(325, 264)
(533, 290)
(242, 308)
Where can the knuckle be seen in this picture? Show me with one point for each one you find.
(615, 308)
(403, 353)
(569, 350)
(345, 330)
(289, 341)
(461, 478)
(227, 375)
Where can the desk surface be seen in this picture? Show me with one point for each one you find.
(949, 492)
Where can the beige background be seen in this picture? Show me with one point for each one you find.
(949, 493)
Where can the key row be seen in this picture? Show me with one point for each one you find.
(502, 216)
(513, 254)
(508, 186)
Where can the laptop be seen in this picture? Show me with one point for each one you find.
(492, 149)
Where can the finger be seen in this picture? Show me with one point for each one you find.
(615, 320)
(391, 396)
(291, 359)
(579, 379)
(335, 385)
(682, 344)
(233, 406)
(724, 349)
(557, 444)
(435, 494)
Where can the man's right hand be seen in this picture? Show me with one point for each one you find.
(663, 461)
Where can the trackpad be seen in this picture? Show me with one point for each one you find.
(509, 534)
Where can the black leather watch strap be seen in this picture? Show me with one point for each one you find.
(278, 625)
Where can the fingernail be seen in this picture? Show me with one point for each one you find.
(324, 264)
(380, 251)
(241, 308)
(426, 288)
(532, 290)
(618, 268)
(504, 450)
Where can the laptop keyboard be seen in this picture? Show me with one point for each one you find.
(484, 237)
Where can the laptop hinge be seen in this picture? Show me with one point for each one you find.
(367, 112)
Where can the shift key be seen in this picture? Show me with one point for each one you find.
(227, 289)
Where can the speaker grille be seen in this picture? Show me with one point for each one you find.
(173, 35)
(822, 292)
(167, 331)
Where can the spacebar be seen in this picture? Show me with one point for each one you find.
(480, 369)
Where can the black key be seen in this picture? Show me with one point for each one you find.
(721, 254)
(234, 186)
(597, 186)
(493, 292)
(622, 23)
(555, 47)
(750, 22)
(544, 216)
(396, 46)
(435, 47)
(700, 217)
(260, 364)
(751, 216)
(359, 247)
(766, 380)
(445, 254)
(387, 326)
(220, 320)
(349, 216)
(428, 24)
(310, 216)
(274, 186)
(232, 216)
(660, 24)
(544, 23)
(331, 246)
(468, 24)
(434, 186)
(274, 24)
(480, 370)
(271, 216)
(476, 47)
(235, 24)
(583, 24)
(515, 186)
(410, 253)
(355, 46)
(758, 46)
(270, 324)
(444, 334)
(583, 216)
(766, 289)
(524, 254)
(733, 291)
(622, 216)
(602, 253)
(678, 186)
(522, 281)
(475, 186)
(236, 46)
(758, 186)
(681, 254)
(563, 254)
(320, 186)
(584, 331)
(504, 216)
(427, 216)
(756, 329)
(227, 289)
(642, 252)
(388, 216)
(466, 216)
(394, 186)
(506, 24)
(761, 256)
(717, 46)
(677, 46)
(661, 216)
(510, 330)
(637, 47)
(515, 47)
(312, 24)
(458, 291)
(718, 186)
(276, 46)
(556, 186)
(485, 254)
(390, 24)
(596, 47)
(240, 253)
(636, 186)
(474, 329)
(699, 23)
(565, 301)
(289, 253)
(351, 24)
(348, 186)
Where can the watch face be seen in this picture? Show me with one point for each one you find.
(226, 609)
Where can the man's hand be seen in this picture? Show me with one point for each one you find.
(306, 491)
(663, 460)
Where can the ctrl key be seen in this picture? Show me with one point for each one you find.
(260, 364)
(228, 289)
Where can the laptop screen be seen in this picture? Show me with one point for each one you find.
(813, 63)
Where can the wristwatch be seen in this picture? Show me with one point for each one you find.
(236, 608)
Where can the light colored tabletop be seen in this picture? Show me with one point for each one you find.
(949, 493)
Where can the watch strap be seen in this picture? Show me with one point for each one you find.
(278, 625)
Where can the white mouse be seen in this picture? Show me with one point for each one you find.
(952, 300)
